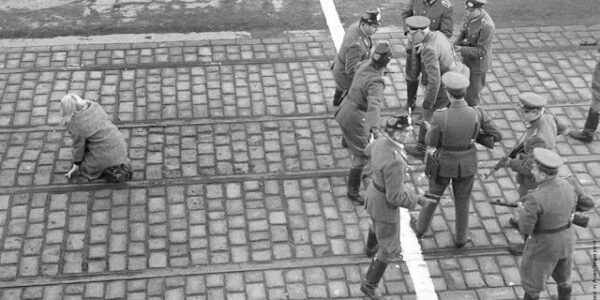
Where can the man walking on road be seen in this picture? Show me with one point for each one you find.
(440, 13)
(384, 196)
(356, 47)
(591, 123)
(474, 43)
(359, 114)
(545, 222)
(453, 133)
(437, 58)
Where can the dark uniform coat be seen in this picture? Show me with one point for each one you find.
(547, 127)
(453, 134)
(386, 194)
(550, 207)
(437, 58)
(476, 38)
(389, 169)
(355, 47)
(596, 89)
(440, 12)
(360, 110)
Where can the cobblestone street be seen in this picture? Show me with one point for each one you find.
(239, 188)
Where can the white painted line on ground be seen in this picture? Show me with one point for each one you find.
(412, 255)
(411, 249)
(333, 22)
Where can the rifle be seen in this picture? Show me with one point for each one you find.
(519, 148)
(501, 203)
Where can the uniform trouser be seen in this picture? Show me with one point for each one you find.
(359, 161)
(476, 84)
(388, 239)
(462, 188)
(413, 66)
(535, 273)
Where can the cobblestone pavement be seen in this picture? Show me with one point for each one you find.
(239, 186)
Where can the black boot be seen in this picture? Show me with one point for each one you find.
(529, 297)
(371, 283)
(418, 150)
(591, 124)
(354, 180)
(564, 292)
(337, 97)
(371, 248)
(411, 94)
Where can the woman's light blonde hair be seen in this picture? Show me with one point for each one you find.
(68, 107)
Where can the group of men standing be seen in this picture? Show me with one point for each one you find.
(452, 122)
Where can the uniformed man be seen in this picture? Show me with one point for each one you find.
(437, 58)
(440, 13)
(358, 115)
(539, 125)
(474, 43)
(545, 221)
(384, 196)
(522, 165)
(591, 123)
(356, 47)
(453, 134)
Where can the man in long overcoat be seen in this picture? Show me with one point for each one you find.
(359, 114)
(356, 47)
(441, 15)
(385, 196)
(545, 220)
(453, 134)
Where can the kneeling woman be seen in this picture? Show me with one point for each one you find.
(99, 148)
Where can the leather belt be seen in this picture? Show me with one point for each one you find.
(381, 189)
(447, 148)
(549, 231)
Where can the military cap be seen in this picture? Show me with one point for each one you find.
(382, 54)
(547, 158)
(455, 81)
(372, 16)
(417, 22)
(475, 3)
(532, 100)
(398, 122)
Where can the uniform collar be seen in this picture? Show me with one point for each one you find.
(429, 2)
(458, 103)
